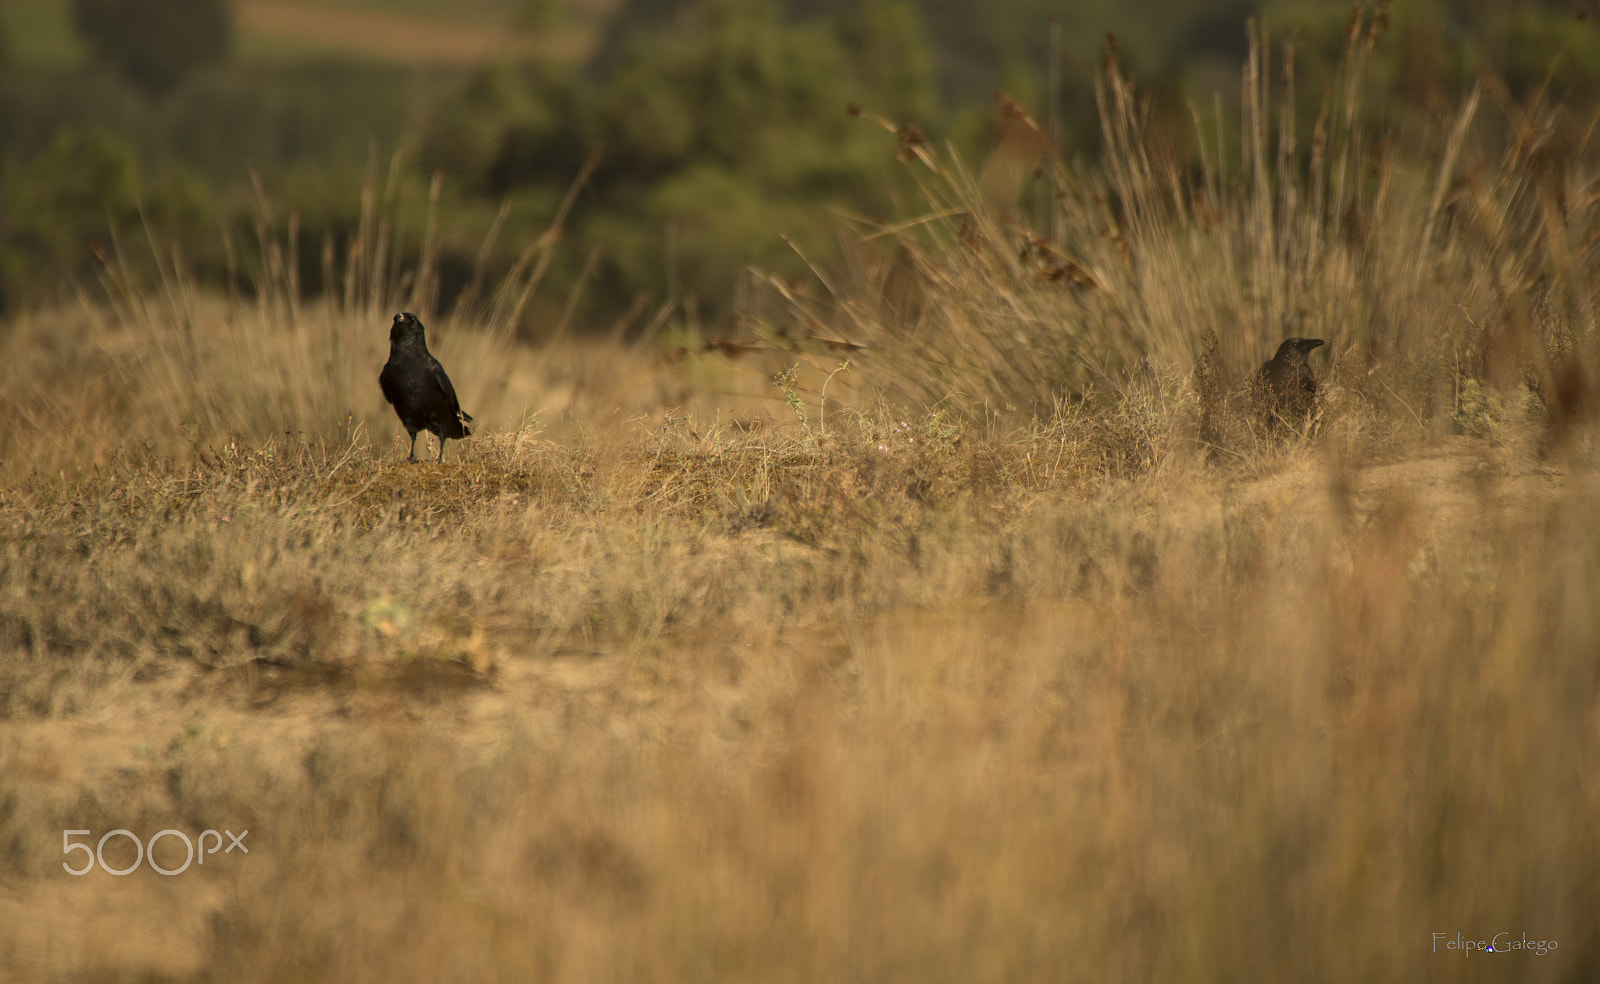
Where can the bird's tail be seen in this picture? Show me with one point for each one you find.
(464, 419)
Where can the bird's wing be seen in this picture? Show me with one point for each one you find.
(443, 382)
(387, 383)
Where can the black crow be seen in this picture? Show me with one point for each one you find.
(414, 381)
(1288, 387)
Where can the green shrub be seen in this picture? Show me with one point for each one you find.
(155, 44)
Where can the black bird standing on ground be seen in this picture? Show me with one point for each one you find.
(414, 381)
(1288, 386)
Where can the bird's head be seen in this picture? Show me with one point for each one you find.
(1300, 347)
(407, 327)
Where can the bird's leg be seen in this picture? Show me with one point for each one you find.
(441, 449)
(413, 456)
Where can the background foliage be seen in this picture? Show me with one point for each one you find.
(155, 44)
(717, 126)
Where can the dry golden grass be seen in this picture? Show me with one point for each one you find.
(797, 708)
(674, 672)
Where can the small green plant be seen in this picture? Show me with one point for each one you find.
(787, 384)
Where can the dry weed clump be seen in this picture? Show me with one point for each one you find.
(1463, 255)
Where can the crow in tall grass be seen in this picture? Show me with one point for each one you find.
(414, 381)
(1287, 385)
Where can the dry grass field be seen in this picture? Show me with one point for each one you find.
(1020, 648)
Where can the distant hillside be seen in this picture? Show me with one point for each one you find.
(38, 33)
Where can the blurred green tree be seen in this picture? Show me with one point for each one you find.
(719, 138)
(66, 205)
(731, 132)
(68, 197)
(156, 44)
